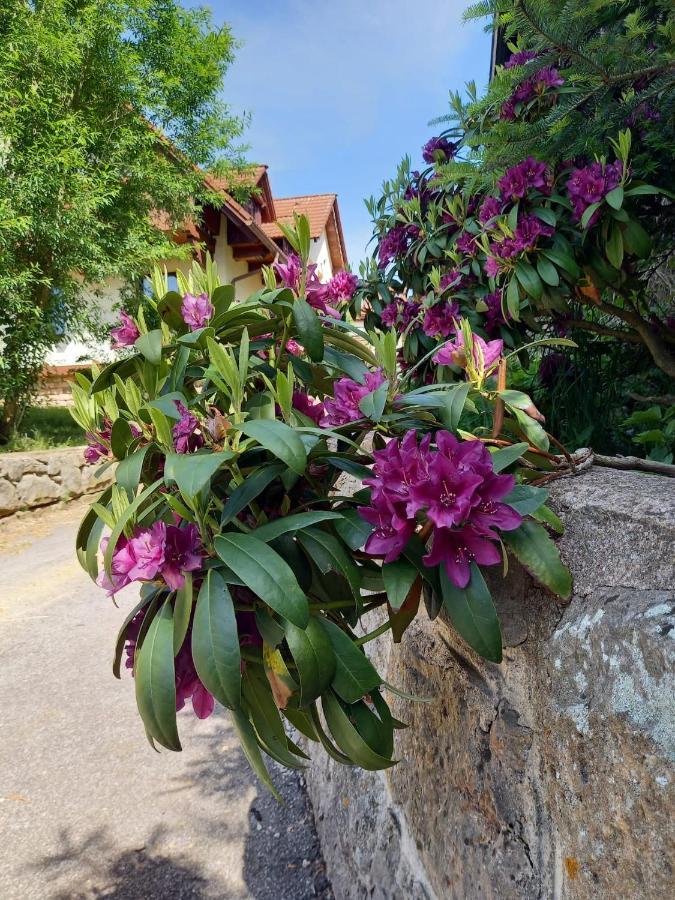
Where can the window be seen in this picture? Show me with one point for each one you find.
(171, 277)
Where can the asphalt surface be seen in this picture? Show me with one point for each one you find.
(87, 808)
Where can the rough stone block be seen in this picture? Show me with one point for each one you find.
(549, 775)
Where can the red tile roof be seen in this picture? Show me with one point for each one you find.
(323, 214)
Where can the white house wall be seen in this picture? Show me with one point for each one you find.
(320, 254)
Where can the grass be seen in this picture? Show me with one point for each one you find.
(45, 428)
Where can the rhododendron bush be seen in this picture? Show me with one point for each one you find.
(277, 478)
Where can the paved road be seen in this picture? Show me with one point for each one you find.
(87, 809)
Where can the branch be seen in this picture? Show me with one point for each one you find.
(634, 462)
(583, 325)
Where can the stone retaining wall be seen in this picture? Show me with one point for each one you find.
(29, 480)
(550, 775)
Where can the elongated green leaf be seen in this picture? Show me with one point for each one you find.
(221, 298)
(182, 610)
(266, 718)
(453, 406)
(614, 246)
(529, 279)
(358, 470)
(266, 574)
(347, 737)
(372, 405)
(295, 522)
(84, 532)
(252, 751)
(615, 197)
(354, 675)
(331, 555)
(167, 404)
(536, 551)
(155, 680)
(150, 346)
(128, 472)
(636, 240)
(548, 517)
(505, 457)
(353, 530)
(191, 471)
(309, 329)
(547, 271)
(525, 499)
(473, 614)
(215, 641)
(120, 437)
(513, 299)
(282, 441)
(564, 261)
(301, 720)
(398, 579)
(530, 428)
(162, 427)
(588, 214)
(254, 485)
(122, 633)
(313, 654)
(169, 310)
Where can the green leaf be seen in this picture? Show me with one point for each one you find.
(398, 577)
(513, 299)
(192, 471)
(548, 517)
(89, 535)
(252, 751)
(355, 675)
(564, 261)
(167, 404)
(309, 329)
(536, 551)
(353, 530)
(282, 441)
(546, 215)
(347, 737)
(155, 680)
(530, 428)
(473, 614)
(525, 499)
(266, 717)
(614, 246)
(453, 406)
(244, 493)
(150, 345)
(122, 633)
(169, 310)
(615, 197)
(128, 472)
(221, 298)
(636, 240)
(547, 271)
(588, 213)
(266, 574)
(120, 438)
(126, 517)
(196, 338)
(372, 405)
(313, 654)
(182, 610)
(295, 522)
(529, 279)
(331, 555)
(215, 641)
(505, 457)
(162, 427)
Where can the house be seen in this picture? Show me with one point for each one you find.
(241, 238)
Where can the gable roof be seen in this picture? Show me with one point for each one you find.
(323, 214)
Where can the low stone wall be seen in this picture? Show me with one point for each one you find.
(550, 775)
(29, 480)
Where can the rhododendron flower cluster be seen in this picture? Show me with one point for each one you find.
(323, 297)
(591, 184)
(438, 149)
(396, 242)
(343, 407)
(439, 319)
(525, 235)
(520, 58)
(518, 180)
(99, 442)
(535, 86)
(196, 310)
(454, 487)
(186, 437)
(484, 354)
(126, 334)
(159, 552)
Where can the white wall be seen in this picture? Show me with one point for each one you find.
(320, 254)
(106, 297)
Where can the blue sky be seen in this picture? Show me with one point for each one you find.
(340, 90)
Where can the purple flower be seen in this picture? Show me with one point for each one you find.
(294, 348)
(196, 311)
(126, 334)
(343, 407)
(494, 314)
(309, 406)
(439, 319)
(438, 149)
(548, 77)
(98, 444)
(390, 314)
(489, 210)
(289, 273)
(342, 285)
(591, 184)
(181, 554)
(493, 266)
(147, 550)
(185, 438)
(485, 353)
(520, 58)
(122, 563)
(188, 684)
(454, 486)
(395, 243)
(516, 181)
(466, 244)
(451, 279)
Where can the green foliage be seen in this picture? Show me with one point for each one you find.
(44, 428)
(263, 615)
(87, 90)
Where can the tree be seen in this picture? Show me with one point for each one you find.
(546, 204)
(88, 90)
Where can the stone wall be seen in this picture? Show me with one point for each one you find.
(549, 775)
(29, 480)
